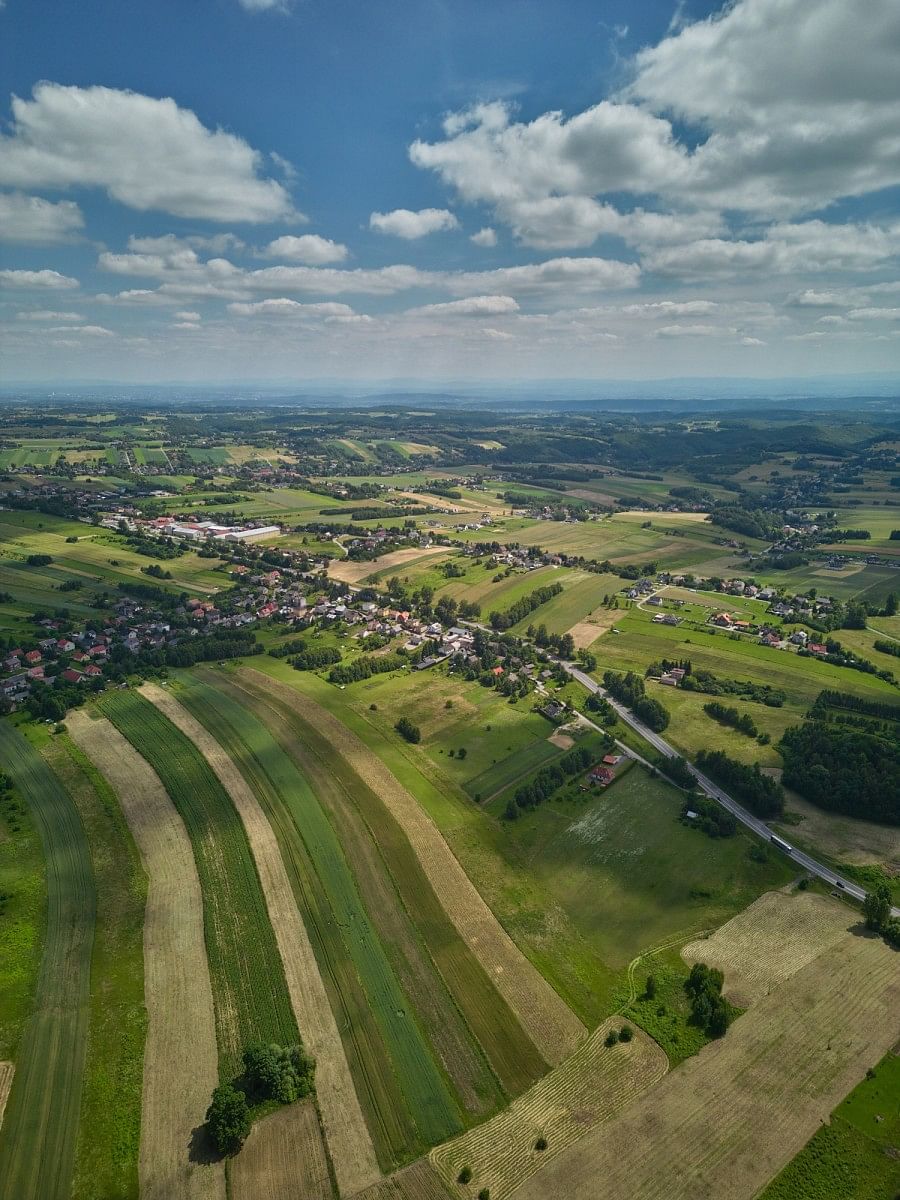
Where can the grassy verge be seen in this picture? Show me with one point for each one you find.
(38, 1137)
(110, 1122)
(249, 989)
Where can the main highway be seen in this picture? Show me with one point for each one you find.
(810, 865)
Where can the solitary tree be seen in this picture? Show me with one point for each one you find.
(877, 907)
(228, 1119)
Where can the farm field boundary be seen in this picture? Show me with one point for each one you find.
(40, 1127)
(729, 1119)
(180, 1056)
(589, 1088)
(349, 1141)
(549, 1022)
(475, 1002)
(249, 990)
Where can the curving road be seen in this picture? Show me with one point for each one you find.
(712, 789)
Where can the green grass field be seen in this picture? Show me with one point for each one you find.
(38, 1137)
(855, 1155)
(249, 989)
(421, 1108)
(106, 1158)
(629, 874)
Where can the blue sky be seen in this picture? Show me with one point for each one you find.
(241, 189)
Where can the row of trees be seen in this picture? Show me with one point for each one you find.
(629, 689)
(547, 781)
(760, 793)
(366, 666)
(727, 715)
(518, 611)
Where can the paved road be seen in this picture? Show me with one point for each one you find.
(759, 827)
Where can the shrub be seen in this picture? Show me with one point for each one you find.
(465, 1175)
(541, 1144)
(626, 1033)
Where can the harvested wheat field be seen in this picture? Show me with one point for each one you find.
(586, 632)
(181, 1065)
(283, 1159)
(546, 1018)
(770, 941)
(7, 1070)
(724, 1124)
(348, 1137)
(419, 1181)
(349, 571)
(592, 1086)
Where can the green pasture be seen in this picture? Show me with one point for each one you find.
(422, 1111)
(39, 1132)
(640, 643)
(629, 874)
(249, 990)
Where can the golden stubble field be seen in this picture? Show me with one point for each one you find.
(725, 1122)
(589, 1088)
(181, 1065)
(283, 1157)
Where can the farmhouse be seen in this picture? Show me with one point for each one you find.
(602, 776)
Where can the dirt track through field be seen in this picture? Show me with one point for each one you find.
(547, 1020)
(724, 1124)
(180, 1056)
(348, 1136)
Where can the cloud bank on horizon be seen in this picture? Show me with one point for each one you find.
(727, 203)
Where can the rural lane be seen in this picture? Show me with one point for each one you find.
(712, 789)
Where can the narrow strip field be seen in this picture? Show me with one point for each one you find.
(366, 826)
(249, 990)
(549, 1022)
(730, 1118)
(37, 1140)
(106, 1159)
(180, 1056)
(408, 1101)
(351, 1146)
(7, 1070)
(591, 1087)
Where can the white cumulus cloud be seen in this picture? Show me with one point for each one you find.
(50, 280)
(404, 223)
(37, 222)
(145, 152)
(310, 249)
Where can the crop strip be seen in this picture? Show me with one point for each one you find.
(180, 1054)
(37, 1140)
(249, 989)
(497, 1028)
(422, 1089)
(349, 1141)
